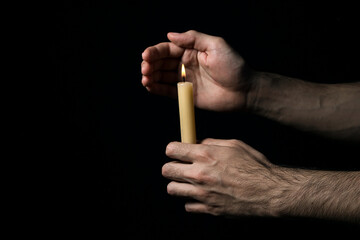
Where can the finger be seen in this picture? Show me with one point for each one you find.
(192, 39)
(225, 143)
(186, 152)
(181, 189)
(162, 50)
(218, 142)
(196, 207)
(170, 77)
(176, 171)
(234, 143)
(162, 89)
(166, 64)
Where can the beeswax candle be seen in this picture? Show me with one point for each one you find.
(186, 109)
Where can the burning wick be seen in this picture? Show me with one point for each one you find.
(183, 73)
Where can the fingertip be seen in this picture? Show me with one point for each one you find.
(171, 148)
(185, 39)
(145, 54)
(144, 81)
(148, 54)
(145, 68)
(172, 34)
(147, 84)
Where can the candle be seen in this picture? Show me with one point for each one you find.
(186, 109)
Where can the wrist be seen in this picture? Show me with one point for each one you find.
(289, 184)
(255, 80)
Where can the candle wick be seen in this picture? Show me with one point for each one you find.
(183, 79)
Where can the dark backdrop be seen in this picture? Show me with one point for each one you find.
(109, 135)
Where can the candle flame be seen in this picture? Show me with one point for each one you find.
(183, 73)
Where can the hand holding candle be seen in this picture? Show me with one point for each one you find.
(186, 109)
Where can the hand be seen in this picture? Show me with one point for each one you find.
(218, 73)
(224, 177)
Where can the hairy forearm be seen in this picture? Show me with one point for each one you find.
(332, 110)
(321, 194)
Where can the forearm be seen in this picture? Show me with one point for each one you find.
(329, 109)
(322, 194)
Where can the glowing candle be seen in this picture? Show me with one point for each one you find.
(186, 109)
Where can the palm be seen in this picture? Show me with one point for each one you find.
(216, 76)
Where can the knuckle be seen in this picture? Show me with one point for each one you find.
(202, 194)
(200, 176)
(205, 195)
(203, 154)
(214, 210)
(218, 41)
(192, 31)
(234, 142)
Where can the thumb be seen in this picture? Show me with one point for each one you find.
(191, 39)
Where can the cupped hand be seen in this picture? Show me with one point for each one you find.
(219, 74)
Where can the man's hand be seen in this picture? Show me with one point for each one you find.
(224, 177)
(219, 74)
(229, 178)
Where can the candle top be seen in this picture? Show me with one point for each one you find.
(184, 83)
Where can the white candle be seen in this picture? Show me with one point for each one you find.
(186, 109)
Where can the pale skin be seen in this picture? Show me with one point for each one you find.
(229, 177)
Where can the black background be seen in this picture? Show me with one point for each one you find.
(108, 137)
